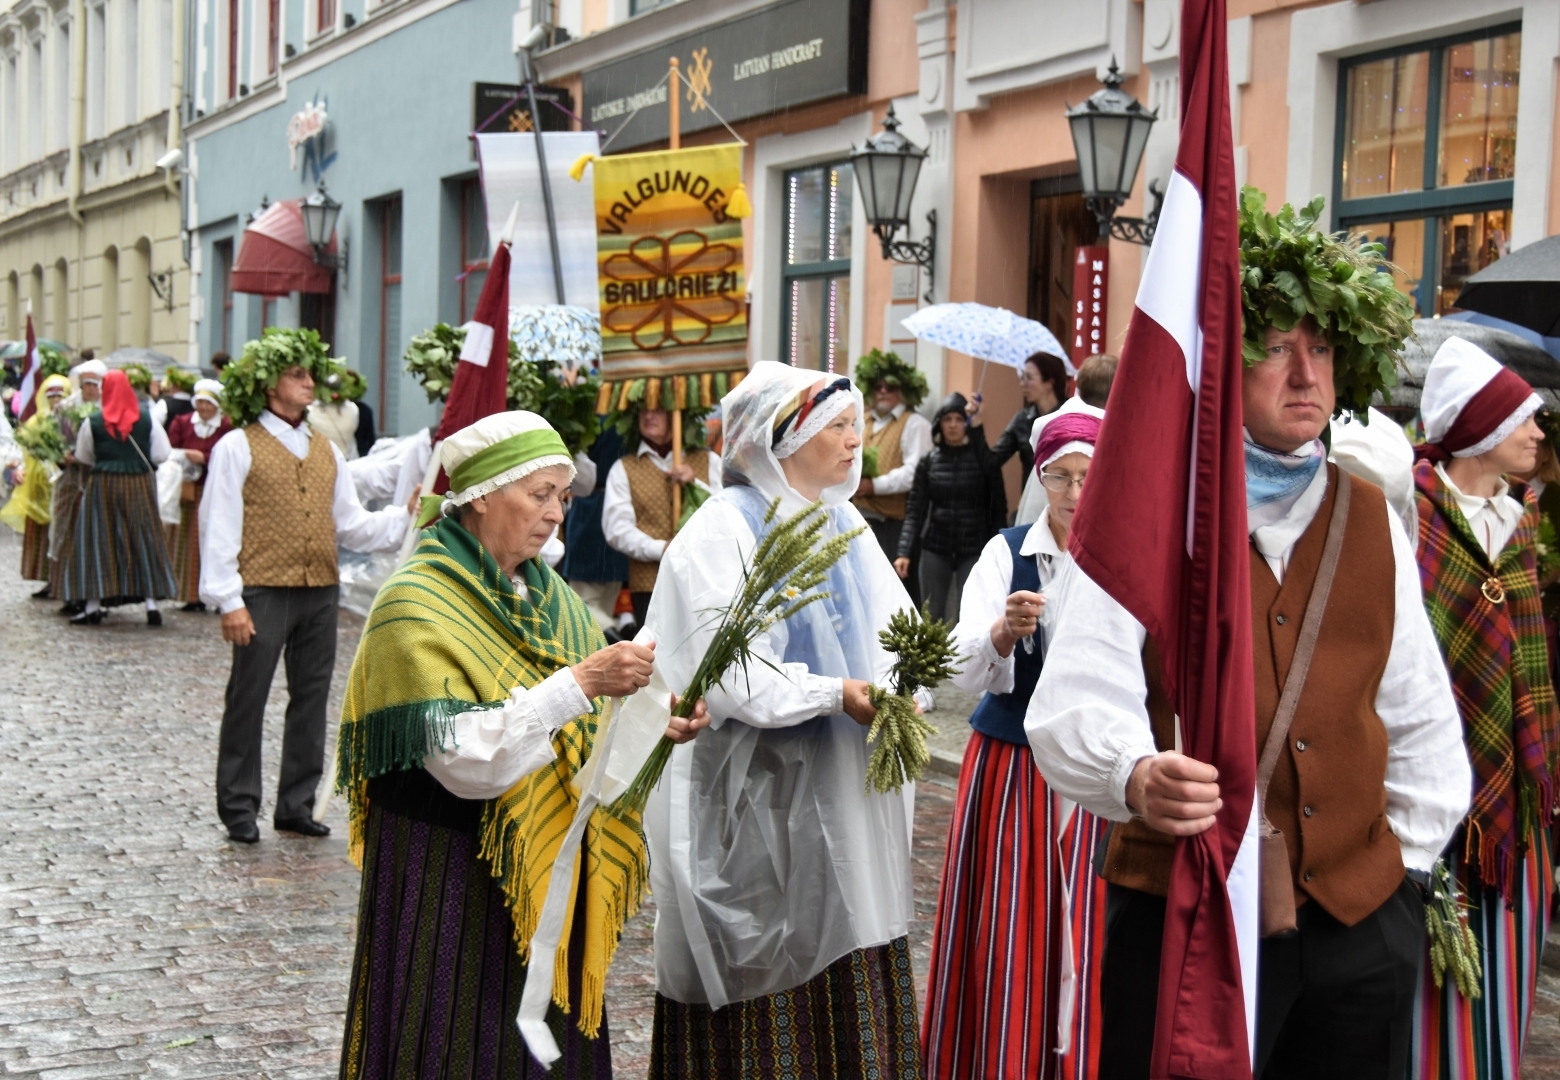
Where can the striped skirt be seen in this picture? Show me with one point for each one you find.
(184, 542)
(35, 551)
(855, 1020)
(994, 992)
(1457, 1039)
(120, 554)
(62, 531)
(436, 978)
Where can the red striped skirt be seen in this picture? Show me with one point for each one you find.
(184, 542)
(35, 551)
(995, 989)
(120, 554)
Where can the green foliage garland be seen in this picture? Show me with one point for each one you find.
(41, 437)
(1291, 270)
(347, 386)
(535, 386)
(52, 362)
(178, 379)
(257, 369)
(879, 366)
(626, 421)
(140, 377)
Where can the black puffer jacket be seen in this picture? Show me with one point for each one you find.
(957, 501)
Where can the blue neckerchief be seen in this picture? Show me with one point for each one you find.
(1272, 476)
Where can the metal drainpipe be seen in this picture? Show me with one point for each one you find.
(78, 106)
(175, 96)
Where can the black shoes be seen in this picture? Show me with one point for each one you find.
(304, 826)
(193, 605)
(87, 618)
(42, 594)
(154, 618)
(244, 832)
(73, 607)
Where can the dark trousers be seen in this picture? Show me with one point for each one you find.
(942, 582)
(1332, 1000)
(297, 626)
(887, 531)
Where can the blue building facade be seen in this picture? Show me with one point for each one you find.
(397, 83)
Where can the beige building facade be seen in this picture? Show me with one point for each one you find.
(90, 231)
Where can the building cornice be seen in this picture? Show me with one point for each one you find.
(100, 200)
(380, 24)
(654, 27)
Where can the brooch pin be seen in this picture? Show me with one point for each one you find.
(1493, 591)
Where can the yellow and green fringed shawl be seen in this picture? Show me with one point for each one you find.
(448, 633)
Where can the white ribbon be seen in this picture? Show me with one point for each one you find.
(640, 721)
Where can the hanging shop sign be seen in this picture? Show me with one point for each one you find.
(1091, 291)
(309, 131)
(669, 263)
(789, 54)
(502, 108)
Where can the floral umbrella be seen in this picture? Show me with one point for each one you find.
(986, 333)
(570, 336)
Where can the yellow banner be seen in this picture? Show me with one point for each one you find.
(669, 263)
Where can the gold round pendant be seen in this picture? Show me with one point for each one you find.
(1494, 591)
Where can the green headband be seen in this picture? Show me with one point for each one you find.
(507, 454)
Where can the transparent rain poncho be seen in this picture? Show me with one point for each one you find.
(769, 860)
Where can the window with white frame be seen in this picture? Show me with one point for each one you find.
(815, 266)
(60, 105)
(96, 61)
(1427, 141)
(33, 108)
(130, 65)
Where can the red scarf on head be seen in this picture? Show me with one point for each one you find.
(121, 409)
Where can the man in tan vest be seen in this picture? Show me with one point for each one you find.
(899, 437)
(1371, 778)
(636, 515)
(277, 501)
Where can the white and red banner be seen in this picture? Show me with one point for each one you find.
(32, 376)
(1163, 530)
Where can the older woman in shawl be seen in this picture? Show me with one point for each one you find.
(1013, 985)
(120, 555)
(472, 703)
(28, 509)
(782, 885)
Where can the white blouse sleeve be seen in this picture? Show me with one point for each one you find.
(494, 749)
(982, 668)
(86, 449)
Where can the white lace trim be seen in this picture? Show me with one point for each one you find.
(1503, 432)
(816, 421)
(505, 478)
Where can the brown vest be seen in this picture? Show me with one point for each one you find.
(1328, 794)
(651, 491)
(289, 527)
(886, 438)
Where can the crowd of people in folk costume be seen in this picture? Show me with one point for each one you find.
(1421, 734)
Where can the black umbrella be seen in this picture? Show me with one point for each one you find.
(1523, 288)
(1541, 370)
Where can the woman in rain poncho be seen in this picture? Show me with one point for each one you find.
(782, 886)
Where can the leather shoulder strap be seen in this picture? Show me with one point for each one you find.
(1310, 629)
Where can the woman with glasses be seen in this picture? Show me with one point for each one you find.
(957, 502)
(1020, 921)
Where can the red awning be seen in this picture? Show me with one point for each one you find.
(275, 258)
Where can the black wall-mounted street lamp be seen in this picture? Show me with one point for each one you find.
(886, 171)
(320, 212)
(1109, 132)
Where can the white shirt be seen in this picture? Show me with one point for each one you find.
(222, 511)
(984, 601)
(619, 523)
(392, 469)
(493, 749)
(1088, 724)
(915, 442)
(1492, 520)
(86, 449)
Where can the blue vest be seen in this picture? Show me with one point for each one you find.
(1001, 716)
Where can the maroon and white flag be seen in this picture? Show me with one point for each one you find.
(1163, 531)
(32, 375)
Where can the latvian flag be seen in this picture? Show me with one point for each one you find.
(1163, 531)
(32, 376)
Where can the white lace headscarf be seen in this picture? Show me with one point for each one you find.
(771, 392)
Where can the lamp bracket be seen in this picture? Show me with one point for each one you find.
(1129, 230)
(162, 285)
(332, 260)
(920, 253)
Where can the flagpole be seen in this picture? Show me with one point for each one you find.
(674, 134)
(541, 164)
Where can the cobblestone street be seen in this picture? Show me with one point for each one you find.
(135, 940)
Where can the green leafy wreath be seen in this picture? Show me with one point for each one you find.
(348, 386)
(257, 369)
(140, 377)
(887, 367)
(1291, 270)
(175, 378)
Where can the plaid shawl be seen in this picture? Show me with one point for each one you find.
(1498, 660)
(449, 633)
